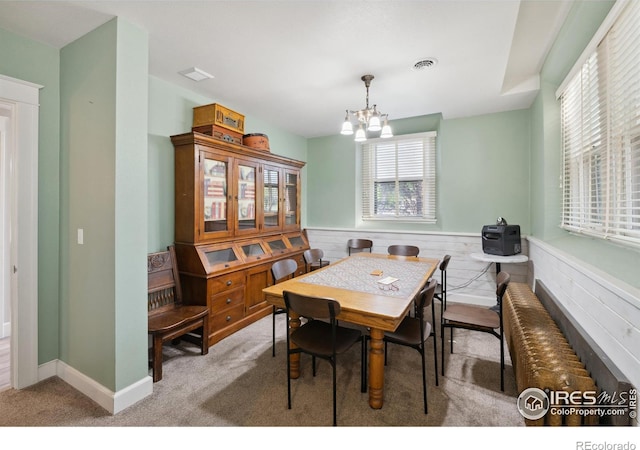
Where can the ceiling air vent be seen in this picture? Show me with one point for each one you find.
(424, 63)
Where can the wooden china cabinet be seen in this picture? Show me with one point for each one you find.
(237, 210)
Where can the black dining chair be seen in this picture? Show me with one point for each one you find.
(441, 287)
(321, 337)
(313, 259)
(403, 250)
(478, 318)
(414, 331)
(359, 245)
(280, 271)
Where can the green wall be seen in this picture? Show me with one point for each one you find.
(103, 164)
(39, 63)
(132, 80)
(482, 173)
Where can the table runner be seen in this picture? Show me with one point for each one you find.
(355, 274)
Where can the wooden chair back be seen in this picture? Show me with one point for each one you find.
(164, 290)
(359, 244)
(316, 307)
(313, 259)
(403, 250)
(283, 269)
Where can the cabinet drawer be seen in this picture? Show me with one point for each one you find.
(227, 299)
(226, 282)
(223, 319)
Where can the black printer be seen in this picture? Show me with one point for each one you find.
(503, 240)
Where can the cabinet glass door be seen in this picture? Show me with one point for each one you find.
(246, 195)
(271, 199)
(291, 199)
(215, 196)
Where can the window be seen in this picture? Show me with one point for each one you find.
(399, 178)
(600, 114)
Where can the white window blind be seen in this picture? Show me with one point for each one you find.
(399, 178)
(600, 114)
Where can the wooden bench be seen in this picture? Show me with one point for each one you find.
(169, 318)
(549, 351)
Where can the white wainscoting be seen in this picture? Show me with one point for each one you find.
(468, 280)
(608, 309)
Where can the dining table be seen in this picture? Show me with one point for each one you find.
(375, 291)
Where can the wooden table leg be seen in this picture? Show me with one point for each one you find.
(294, 322)
(376, 368)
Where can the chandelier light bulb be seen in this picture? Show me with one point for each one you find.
(374, 121)
(360, 134)
(347, 128)
(386, 130)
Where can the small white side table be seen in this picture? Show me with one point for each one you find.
(497, 260)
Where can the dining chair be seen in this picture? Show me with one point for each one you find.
(403, 250)
(359, 244)
(478, 318)
(441, 287)
(280, 271)
(321, 338)
(414, 331)
(313, 259)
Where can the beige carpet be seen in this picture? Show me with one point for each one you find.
(239, 383)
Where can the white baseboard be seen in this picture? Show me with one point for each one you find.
(113, 402)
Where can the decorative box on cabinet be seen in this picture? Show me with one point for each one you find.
(237, 211)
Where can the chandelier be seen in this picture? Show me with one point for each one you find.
(368, 119)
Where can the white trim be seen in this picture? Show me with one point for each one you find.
(113, 402)
(625, 291)
(422, 134)
(607, 308)
(19, 90)
(24, 246)
(604, 28)
(6, 205)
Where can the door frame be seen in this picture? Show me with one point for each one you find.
(20, 102)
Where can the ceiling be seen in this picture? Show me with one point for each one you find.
(298, 64)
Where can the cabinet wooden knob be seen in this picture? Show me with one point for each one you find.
(229, 283)
(228, 318)
(228, 301)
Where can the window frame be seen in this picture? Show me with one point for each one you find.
(366, 184)
(600, 131)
